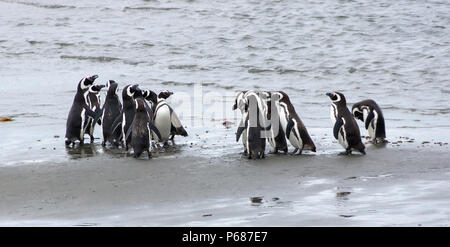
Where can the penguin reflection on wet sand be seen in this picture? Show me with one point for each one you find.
(345, 129)
(94, 103)
(79, 112)
(166, 120)
(370, 114)
(140, 136)
(111, 110)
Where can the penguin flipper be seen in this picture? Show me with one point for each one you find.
(240, 129)
(369, 119)
(117, 122)
(239, 132)
(337, 126)
(175, 120)
(155, 130)
(289, 127)
(129, 130)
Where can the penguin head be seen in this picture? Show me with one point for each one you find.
(137, 92)
(239, 102)
(140, 105)
(164, 94)
(129, 91)
(337, 98)
(86, 82)
(95, 89)
(357, 111)
(150, 96)
(113, 87)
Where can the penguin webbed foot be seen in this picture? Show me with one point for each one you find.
(294, 152)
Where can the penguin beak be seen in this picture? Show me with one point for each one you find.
(92, 78)
(329, 95)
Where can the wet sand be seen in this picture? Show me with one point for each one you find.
(390, 186)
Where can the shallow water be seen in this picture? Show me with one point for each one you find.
(397, 53)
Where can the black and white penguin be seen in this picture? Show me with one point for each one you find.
(370, 114)
(140, 136)
(127, 114)
(111, 111)
(239, 103)
(345, 129)
(166, 120)
(291, 124)
(79, 112)
(254, 124)
(277, 137)
(94, 103)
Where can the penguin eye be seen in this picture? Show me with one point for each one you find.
(334, 97)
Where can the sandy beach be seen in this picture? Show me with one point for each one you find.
(387, 187)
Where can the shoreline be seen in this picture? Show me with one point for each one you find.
(281, 190)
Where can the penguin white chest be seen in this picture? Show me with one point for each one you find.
(244, 133)
(283, 118)
(333, 113)
(342, 136)
(372, 126)
(163, 122)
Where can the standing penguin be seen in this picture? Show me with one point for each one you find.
(345, 129)
(277, 137)
(239, 102)
(254, 125)
(111, 110)
(94, 103)
(166, 120)
(140, 137)
(370, 114)
(290, 122)
(127, 114)
(79, 112)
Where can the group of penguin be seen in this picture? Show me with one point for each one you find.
(144, 116)
(260, 109)
(132, 123)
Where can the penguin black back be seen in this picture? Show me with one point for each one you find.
(111, 110)
(140, 135)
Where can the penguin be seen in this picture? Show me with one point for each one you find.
(254, 125)
(140, 137)
(239, 102)
(370, 114)
(125, 119)
(94, 103)
(111, 110)
(277, 138)
(79, 112)
(166, 120)
(345, 129)
(291, 124)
